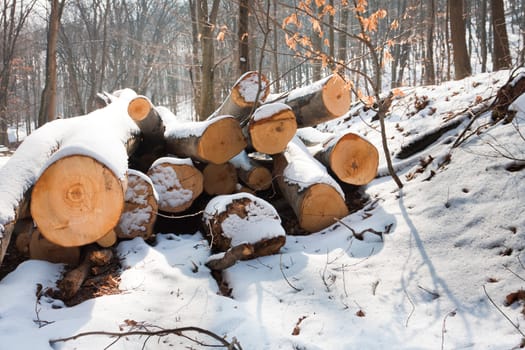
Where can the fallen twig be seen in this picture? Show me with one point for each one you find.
(284, 276)
(501, 312)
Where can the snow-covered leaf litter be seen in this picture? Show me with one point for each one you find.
(421, 287)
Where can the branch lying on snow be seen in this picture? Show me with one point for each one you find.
(499, 309)
(233, 345)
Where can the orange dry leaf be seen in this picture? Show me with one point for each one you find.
(394, 25)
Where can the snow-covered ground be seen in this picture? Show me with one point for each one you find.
(453, 241)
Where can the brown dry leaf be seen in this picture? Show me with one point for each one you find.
(360, 313)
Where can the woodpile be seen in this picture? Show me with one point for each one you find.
(99, 184)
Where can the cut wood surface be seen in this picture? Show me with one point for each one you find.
(242, 218)
(212, 141)
(108, 239)
(177, 181)
(219, 178)
(271, 127)
(76, 201)
(352, 158)
(243, 96)
(320, 101)
(253, 175)
(140, 208)
(315, 197)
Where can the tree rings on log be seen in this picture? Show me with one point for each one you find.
(253, 175)
(177, 182)
(242, 218)
(219, 178)
(271, 127)
(140, 209)
(76, 201)
(353, 159)
(321, 101)
(315, 197)
(139, 108)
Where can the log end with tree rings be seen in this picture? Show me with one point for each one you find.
(244, 93)
(177, 182)
(221, 141)
(271, 135)
(354, 160)
(336, 96)
(76, 201)
(139, 108)
(321, 206)
(259, 179)
(219, 178)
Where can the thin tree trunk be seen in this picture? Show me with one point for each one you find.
(483, 36)
(430, 76)
(501, 56)
(243, 35)
(462, 66)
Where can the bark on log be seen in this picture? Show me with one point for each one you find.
(271, 127)
(352, 159)
(140, 209)
(152, 145)
(212, 141)
(319, 102)
(42, 249)
(230, 257)
(315, 197)
(219, 178)
(177, 181)
(243, 96)
(243, 219)
(253, 175)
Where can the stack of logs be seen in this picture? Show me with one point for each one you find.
(249, 144)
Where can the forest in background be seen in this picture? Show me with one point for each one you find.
(56, 55)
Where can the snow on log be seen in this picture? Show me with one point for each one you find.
(243, 96)
(242, 220)
(215, 140)
(271, 127)
(253, 175)
(319, 102)
(152, 145)
(219, 178)
(62, 138)
(140, 207)
(177, 181)
(315, 197)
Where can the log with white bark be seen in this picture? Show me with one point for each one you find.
(212, 141)
(352, 158)
(271, 127)
(140, 208)
(318, 102)
(177, 181)
(219, 178)
(315, 197)
(253, 175)
(242, 220)
(248, 91)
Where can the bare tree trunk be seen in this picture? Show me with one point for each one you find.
(501, 53)
(243, 35)
(430, 75)
(48, 101)
(462, 66)
(483, 36)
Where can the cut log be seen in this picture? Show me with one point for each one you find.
(42, 249)
(140, 208)
(315, 197)
(240, 219)
(253, 175)
(319, 102)
(353, 159)
(212, 141)
(224, 260)
(177, 181)
(271, 127)
(219, 178)
(108, 240)
(76, 201)
(243, 96)
(151, 125)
